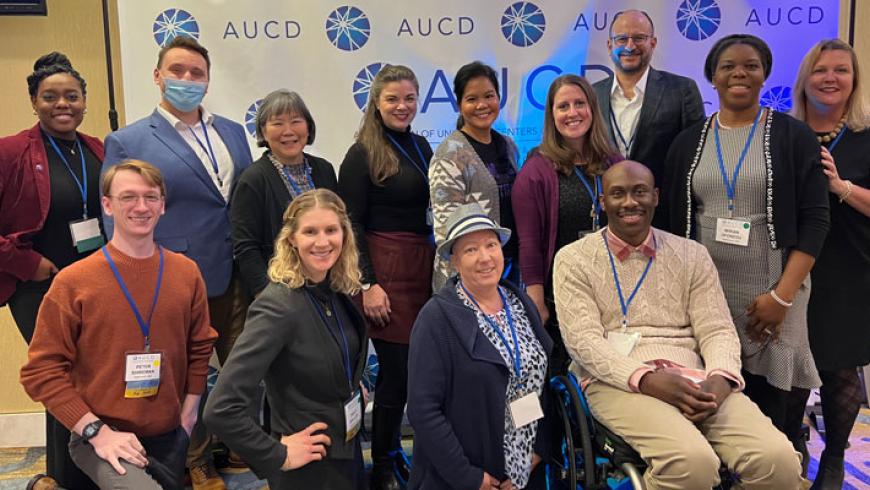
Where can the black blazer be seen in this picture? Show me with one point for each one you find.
(671, 104)
(256, 215)
(286, 344)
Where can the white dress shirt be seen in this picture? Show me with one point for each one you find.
(626, 112)
(199, 143)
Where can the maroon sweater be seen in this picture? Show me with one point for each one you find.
(85, 326)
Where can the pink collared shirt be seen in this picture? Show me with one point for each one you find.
(622, 250)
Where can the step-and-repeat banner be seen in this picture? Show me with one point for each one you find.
(329, 52)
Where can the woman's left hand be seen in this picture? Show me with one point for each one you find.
(829, 167)
(765, 318)
(506, 485)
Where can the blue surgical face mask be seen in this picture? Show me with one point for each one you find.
(184, 95)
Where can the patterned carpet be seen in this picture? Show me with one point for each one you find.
(17, 465)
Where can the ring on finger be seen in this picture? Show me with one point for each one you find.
(767, 332)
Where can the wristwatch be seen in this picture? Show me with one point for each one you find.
(91, 430)
(366, 286)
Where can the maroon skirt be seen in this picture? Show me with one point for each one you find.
(403, 265)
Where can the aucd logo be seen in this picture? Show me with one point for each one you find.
(523, 24)
(251, 118)
(348, 28)
(777, 98)
(362, 83)
(174, 22)
(698, 19)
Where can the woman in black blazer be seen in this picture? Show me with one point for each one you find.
(265, 189)
(304, 337)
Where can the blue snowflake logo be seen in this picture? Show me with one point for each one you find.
(523, 24)
(777, 98)
(174, 22)
(362, 83)
(698, 19)
(251, 118)
(348, 28)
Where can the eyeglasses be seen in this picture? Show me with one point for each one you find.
(638, 40)
(130, 199)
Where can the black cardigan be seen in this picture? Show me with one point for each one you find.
(257, 214)
(797, 202)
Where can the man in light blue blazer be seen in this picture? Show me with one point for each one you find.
(201, 156)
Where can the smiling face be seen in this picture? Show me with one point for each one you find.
(397, 104)
(479, 105)
(135, 205)
(318, 240)
(629, 56)
(572, 114)
(286, 135)
(629, 199)
(479, 260)
(832, 80)
(738, 77)
(60, 105)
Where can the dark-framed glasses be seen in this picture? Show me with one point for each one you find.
(638, 39)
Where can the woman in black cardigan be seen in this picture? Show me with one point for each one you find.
(748, 184)
(306, 340)
(266, 188)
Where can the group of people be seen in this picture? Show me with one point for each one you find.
(663, 256)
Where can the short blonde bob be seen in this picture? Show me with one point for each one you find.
(286, 266)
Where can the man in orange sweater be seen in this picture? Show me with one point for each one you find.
(121, 347)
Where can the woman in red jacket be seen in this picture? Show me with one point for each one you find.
(49, 212)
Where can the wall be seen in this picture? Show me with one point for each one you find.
(75, 27)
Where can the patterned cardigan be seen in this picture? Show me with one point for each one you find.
(458, 176)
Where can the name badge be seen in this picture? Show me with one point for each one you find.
(732, 231)
(86, 234)
(142, 374)
(525, 410)
(352, 416)
(623, 342)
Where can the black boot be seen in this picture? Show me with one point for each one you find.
(830, 475)
(385, 428)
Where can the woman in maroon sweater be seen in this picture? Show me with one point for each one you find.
(49, 185)
(555, 196)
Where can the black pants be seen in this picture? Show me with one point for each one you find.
(24, 305)
(779, 405)
(391, 386)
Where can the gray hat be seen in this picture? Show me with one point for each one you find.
(466, 219)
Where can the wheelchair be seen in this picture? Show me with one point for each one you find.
(589, 456)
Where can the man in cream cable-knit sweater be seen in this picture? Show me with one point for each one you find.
(646, 323)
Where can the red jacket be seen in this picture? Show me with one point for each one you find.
(25, 196)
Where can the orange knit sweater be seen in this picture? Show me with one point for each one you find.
(85, 327)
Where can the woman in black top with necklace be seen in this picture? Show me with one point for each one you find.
(50, 213)
(384, 181)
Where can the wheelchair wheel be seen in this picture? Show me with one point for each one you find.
(634, 475)
(574, 418)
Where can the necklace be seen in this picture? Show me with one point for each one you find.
(826, 138)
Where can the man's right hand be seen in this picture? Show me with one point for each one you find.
(44, 270)
(112, 446)
(680, 392)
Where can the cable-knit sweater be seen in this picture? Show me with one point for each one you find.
(679, 310)
(85, 327)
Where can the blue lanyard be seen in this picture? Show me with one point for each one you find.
(730, 186)
(624, 305)
(837, 139)
(143, 325)
(596, 204)
(618, 133)
(293, 184)
(422, 167)
(345, 359)
(81, 184)
(515, 352)
(208, 151)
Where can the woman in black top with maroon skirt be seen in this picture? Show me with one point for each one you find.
(383, 180)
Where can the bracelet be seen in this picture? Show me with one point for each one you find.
(780, 300)
(848, 192)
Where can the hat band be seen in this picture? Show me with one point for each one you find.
(468, 222)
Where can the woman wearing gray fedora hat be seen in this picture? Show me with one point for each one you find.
(477, 370)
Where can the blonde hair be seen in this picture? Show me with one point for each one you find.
(285, 267)
(383, 161)
(149, 173)
(597, 148)
(857, 111)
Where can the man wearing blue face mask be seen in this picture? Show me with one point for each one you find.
(644, 107)
(201, 155)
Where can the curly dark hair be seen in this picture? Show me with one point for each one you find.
(48, 65)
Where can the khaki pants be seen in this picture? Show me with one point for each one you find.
(685, 456)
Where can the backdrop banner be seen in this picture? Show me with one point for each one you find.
(329, 52)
